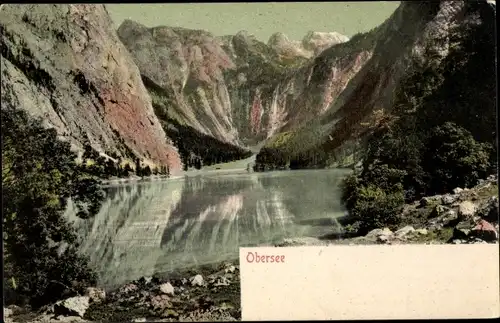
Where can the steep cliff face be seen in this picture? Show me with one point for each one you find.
(65, 64)
(446, 38)
(188, 68)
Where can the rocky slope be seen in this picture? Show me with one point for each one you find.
(454, 36)
(66, 64)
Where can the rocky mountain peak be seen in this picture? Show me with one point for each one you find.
(318, 41)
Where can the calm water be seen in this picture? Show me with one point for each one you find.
(144, 228)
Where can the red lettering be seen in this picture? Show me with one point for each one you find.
(250, 257)
(255, 257)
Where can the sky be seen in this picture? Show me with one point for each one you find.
(294, 19)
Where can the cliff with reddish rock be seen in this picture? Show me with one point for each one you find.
(66, 65)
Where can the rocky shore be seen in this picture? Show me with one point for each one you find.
(212, 292)
(208, 293)
(466, 216)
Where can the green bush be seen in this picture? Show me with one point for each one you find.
(377, 208)
(39, 175)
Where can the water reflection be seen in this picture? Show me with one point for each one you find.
(144, 228)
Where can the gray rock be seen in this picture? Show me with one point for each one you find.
(230, 269)
(444, 219)
(422, 231)
(457, 190)
(7, 312)
(77, 305)
(197, 280)
(489, 210)
(448, 199)
(401, 233)
(466, 209)
(377, 232)
(96, 295)
(385, 236)
(492, 178)
(222, 281)
(139, 319)
(428, 200)
(184, 281)
(167, 288)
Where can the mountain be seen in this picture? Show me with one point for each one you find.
(435, 60)
(236, 88)
(171, 95)
(66, 65)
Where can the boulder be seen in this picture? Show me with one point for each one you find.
(73, 306)
(429, 200)
(489, 210)
(197, 280)
(466, 210)
(462, 230)
(377, 232)
(457, 190)
(422, 231)
(385, 236)
(448, 199)
(7, 312)
(485, 231)
(96, 295)
(167, 288)
(446, 218)
(401, 233)
(230, 269)
(222, 281)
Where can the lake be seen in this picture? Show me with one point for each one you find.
(149, 227)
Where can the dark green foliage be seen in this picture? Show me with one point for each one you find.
(374, 197)
(126, 170)
(197, 149)
(453, 158)
(314, 158)
(270, 159)
(39, 174)
(375, 207)
(146, 171)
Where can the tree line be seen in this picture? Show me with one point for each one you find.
(106, 168)
(197, 149)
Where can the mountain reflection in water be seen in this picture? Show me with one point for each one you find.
(149, 227)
